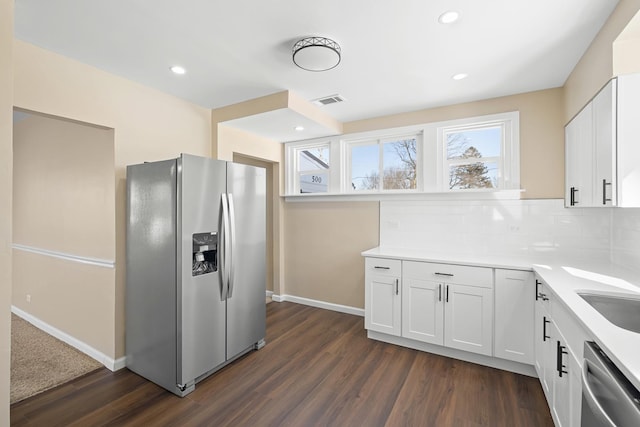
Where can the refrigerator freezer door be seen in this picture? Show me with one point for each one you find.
(246, 312)
(201, 311)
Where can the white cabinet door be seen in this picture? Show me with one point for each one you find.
(468, 318)
(561, 406)
(579, 153)
(627, 146)
(549, 356)
(604, 119)
(382, 306)
(538, 342)
(422, 310)
(515, 295)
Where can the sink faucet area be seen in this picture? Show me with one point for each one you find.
(623, 310)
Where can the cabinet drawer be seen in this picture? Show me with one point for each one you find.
(449, 273)
(387, 267)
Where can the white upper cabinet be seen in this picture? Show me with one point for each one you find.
(602, 151)
(628, 141)
(579, 159)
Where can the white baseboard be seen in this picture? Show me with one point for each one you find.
(493, 362)
(319, 304)
(107, 361)
(269, 294)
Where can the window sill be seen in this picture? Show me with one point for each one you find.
(399, 196)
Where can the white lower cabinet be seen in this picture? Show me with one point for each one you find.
(556, 362)
(423, 305)
(437, 309)
(515, 293)
(422, 310)
(383, 300)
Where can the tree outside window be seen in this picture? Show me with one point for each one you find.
(473, 158)
(399, 165)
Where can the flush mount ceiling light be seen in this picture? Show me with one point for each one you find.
(448, 17)
(459, 76)
(316, 54)
(177, 69)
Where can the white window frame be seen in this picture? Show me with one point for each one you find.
(432, 165)
(508, 162)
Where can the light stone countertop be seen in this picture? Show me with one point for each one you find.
(564, 277)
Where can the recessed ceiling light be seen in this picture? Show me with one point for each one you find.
(299, 128)
(448, 17)
(176, 69)
(460, 76)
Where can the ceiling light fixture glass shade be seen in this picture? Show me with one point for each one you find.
(316, 53)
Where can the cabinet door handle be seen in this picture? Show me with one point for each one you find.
(573, 202)
(397, 286)
(537, 293)
(560, 350)
(604, 191)
(378, 267)
(544, 328)
(440, 292)
(446, 298)
(443, 274)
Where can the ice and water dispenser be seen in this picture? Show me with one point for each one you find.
(205, 253)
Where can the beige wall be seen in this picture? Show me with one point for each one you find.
(64, 201)
(322, 249)
(148, 125)
(6, 129)
(626, 59)
(229, 143)
(595, 67)
(541, 134)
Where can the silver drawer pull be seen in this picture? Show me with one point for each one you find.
(443, 274)
(381, 268)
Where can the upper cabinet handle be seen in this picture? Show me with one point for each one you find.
(573, 202)
(604, 192)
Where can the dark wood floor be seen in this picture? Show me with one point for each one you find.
(317, 369)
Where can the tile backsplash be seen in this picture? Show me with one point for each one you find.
(625, 237)
(511, 227)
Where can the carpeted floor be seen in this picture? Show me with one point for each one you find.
(40, 361)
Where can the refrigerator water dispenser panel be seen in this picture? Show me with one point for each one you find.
(205, 253)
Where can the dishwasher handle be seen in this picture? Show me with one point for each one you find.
(590, 397)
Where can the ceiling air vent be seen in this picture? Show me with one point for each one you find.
(327, 100)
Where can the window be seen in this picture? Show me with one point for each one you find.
(467, 156)
(313, 169)
(384, 164)
(474, 157)
(479, 154)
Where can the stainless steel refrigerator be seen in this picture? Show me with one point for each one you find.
(195, 270)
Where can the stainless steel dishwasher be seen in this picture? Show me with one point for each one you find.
(608, 398)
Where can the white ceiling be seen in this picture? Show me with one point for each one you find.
(396, 57)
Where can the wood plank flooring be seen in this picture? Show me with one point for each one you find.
(317, 369)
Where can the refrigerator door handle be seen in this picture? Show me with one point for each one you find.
(232, 245)
(223, 248)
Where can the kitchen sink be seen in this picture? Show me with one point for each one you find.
(622, 311)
